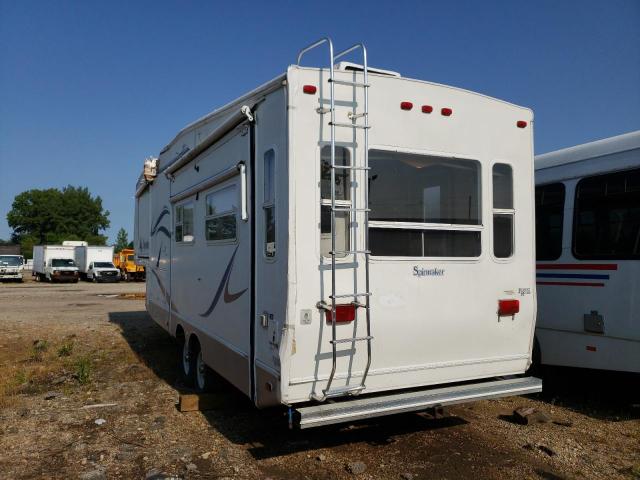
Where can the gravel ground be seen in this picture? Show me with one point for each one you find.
(88, 390)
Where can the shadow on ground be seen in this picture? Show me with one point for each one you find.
(612, 396)
(264, 430)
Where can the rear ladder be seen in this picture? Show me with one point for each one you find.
(359, 299)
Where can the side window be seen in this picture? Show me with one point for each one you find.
(607, 217)
(343, 199)
(503, 211)
(269, 204)
(549, 218)
(184, 224)
(220, 215)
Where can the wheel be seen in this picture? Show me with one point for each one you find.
(204, 375)
(187, 373)
(127, 277)
(94, 279)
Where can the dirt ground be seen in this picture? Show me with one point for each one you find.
(88, 390)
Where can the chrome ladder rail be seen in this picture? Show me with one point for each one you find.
(353, 171)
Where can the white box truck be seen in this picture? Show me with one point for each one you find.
(345, 233)
(55, 263)
(96, 263)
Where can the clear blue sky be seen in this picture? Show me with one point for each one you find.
(89, 89)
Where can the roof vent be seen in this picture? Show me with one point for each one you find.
(355, 67)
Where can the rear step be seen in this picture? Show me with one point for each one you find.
(350, 410)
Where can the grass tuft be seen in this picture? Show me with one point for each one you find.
(83, 370)
(66, 349)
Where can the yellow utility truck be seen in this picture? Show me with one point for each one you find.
(125, 262)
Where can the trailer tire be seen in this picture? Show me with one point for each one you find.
(183, 355)
(204, 377)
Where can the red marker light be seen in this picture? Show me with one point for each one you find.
(591, 348)
(446, 112)
(406, 105)
(344, 313)
(310, 89)
(508, 307)
(521, 124)
(427, 109)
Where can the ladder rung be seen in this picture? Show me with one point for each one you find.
(342, 390)
(351, 252)
(350, 340)
(349, 125)
(349, 83)
(349, 167)
(349, 295)
(354, 116)
(347, 209)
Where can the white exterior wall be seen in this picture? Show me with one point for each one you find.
(427, 330)
(85, 255)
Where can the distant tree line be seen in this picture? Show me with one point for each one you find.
(50, 216)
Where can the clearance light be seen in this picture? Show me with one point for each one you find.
(427, 109)
(344, 313)
(446, 112)
(310, 89)
(521, 124)
(591, 348)
(406, 105)
(507, 308)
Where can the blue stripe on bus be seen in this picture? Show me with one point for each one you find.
(586, 276)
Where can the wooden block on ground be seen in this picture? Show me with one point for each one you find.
(191, 402)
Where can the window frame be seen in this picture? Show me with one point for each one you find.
(270, 204)
(562, 220)
(480, 227)
(575, 219)
(326, 202)
(213, 191)
(504, 212)
(187, 203)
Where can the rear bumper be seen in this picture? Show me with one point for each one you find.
(361, 408)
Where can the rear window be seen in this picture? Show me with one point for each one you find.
(423, 205)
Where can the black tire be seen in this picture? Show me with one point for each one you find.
(536, 360)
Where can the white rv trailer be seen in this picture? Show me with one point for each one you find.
(588, 255)
(341, 231)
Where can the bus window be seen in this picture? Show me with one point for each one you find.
(606, 222)
(549, 218)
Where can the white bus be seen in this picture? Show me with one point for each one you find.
(344, 231)
(588, 255)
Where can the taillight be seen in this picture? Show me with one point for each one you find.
(508, 307)
(309, 89)
(406, 105)
(344, 313)
(427, 109)
(521, 124)
(447, 112)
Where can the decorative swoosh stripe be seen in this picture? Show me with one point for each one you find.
(224, 287)
(163, 213)
(163, 290)
(162, 230)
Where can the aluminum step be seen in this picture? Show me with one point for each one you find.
(361, 408)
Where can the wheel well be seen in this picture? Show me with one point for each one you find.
(179, 333)
(194, 343)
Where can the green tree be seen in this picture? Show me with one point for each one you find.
(52, 216)
(122, 240)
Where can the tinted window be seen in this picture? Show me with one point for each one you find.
(424, 243)
(268, 204)
(503, 200)
(607, 216)
(220, 220)
(341, 175)
(549, 218)
(426, 189)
